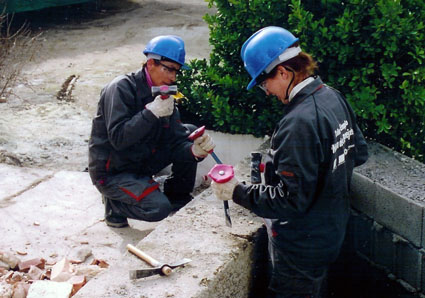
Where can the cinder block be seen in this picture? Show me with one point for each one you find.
(422, 251)
(383, 247)
(361, 233)
(399, 214)
(363, 192)
(408, 262)
(423, 229)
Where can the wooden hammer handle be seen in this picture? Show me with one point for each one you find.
(148, 259)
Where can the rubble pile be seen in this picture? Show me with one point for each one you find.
(37, 278)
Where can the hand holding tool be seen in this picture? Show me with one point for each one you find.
(221, 173)
(198, 133)
(224, 181)
(164, 91)
(161, 107)
(194, 135)
(202, 146)
(163, 104)
(159, 268)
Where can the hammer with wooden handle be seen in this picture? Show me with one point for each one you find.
(159, 268)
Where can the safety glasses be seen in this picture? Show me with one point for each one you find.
(262, 82)
(263, 86)
(168, 69)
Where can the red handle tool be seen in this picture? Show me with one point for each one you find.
(196, 134)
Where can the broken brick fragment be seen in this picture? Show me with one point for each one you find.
(61, 271)
(35, 273)
(77, 281)
(100, 263)
(16, 277)
(26, 265)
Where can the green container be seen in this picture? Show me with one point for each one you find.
(10, 6)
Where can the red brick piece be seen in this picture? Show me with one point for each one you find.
(26, 265)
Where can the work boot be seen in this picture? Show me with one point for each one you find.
(112, 219)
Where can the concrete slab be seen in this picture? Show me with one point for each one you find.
(61, 214)
(14, 180)
(221, 256)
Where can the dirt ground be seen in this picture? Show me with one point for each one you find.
(92, 46)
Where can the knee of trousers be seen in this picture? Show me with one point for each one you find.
(158, 209)
(163, 211)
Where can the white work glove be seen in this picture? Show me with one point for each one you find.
(202, 146)
(224, 191)
(161, 107)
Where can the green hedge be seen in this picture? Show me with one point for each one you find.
(372, 51)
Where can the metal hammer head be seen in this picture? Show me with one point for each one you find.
(141, 273)
(164, 90)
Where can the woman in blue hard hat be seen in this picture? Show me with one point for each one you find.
(134, 136)
(314, 148)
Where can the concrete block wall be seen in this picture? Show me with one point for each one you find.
(398, 213)
(387, 229)
(398, 257)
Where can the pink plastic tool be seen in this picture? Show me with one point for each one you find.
(221, 173)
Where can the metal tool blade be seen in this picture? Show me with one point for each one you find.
(179, 263)
(225, 203)
(141, 273)
(227, 214)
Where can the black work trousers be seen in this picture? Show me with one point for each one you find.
(289, 280)
(138, 195)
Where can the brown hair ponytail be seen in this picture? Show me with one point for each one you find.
(303, 65)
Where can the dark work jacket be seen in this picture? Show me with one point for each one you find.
(125, 135)
(314, 149)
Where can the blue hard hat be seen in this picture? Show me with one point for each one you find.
(168, 46)
(264, 47)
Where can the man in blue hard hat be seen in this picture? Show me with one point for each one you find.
(314, 148)
(134, 136)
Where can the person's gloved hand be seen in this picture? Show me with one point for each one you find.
(202, 146)
(224, 191)
(161, 107)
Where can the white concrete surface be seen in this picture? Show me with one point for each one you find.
(221, 256)
(49, 208)
(52, 215)
(57, 216)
